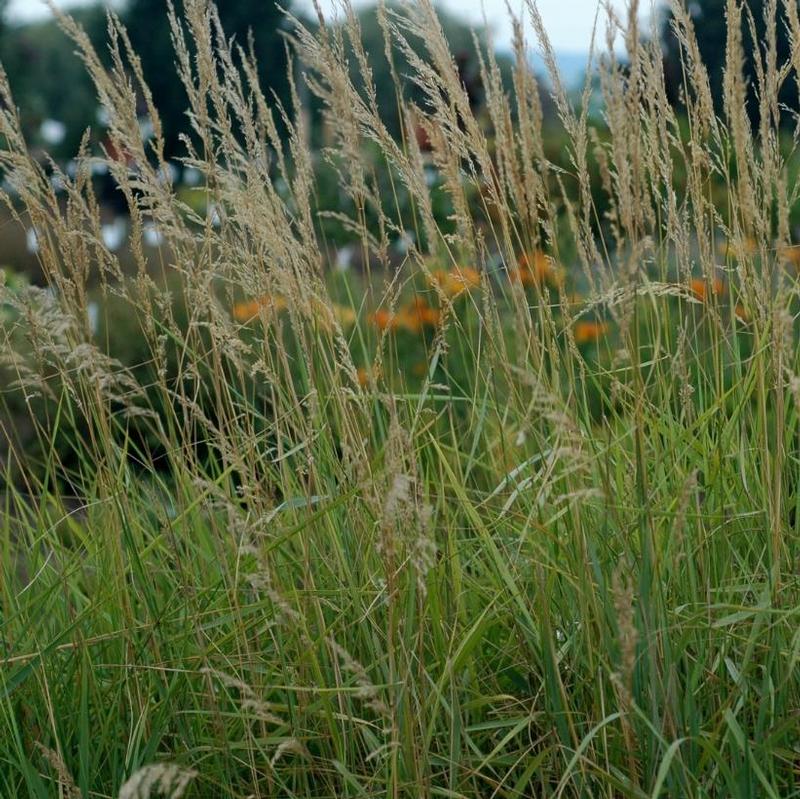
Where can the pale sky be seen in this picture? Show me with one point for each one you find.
(568, 22)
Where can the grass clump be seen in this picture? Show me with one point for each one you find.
(511, 511)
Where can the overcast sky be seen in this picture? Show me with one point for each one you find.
(569, 22)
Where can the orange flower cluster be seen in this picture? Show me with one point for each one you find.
(456, 281)
(588, 332)
(247, 311)
(412, 317)
(536, 269)
(702, 289)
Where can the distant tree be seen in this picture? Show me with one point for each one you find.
(711, 30)
(459, 36)
(48, 79)
(147, 25)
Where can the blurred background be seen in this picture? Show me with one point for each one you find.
(58, 105)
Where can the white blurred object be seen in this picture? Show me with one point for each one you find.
(213, 213)
(52, 131)
(172, 173)
(57, 182)
(281, 187)
(405, 242)
(114, 234)
(146, 128)
(152, 235)
(93, 312)
(344, 258)
(9, 187)
(192, 176)
(32, 240)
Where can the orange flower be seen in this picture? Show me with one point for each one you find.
(408, 319)
(383, 319)
(790, 255)
(419, 314)
(700, 288)
(457, 280)
(366, 375)
(412, 317)
(535, 269)
(589, 332)
(246, 311)
(386, 320)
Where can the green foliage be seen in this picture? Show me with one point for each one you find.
(245, 22)
(711, 30)
(50, 80)
(388, 76)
